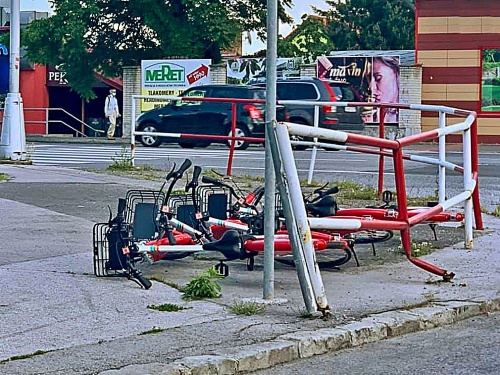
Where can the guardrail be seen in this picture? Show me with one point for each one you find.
(394, 149)
(46, 120)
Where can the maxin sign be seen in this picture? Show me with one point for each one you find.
(161, 74)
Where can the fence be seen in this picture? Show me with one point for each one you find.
(393, 149)
(40, 119)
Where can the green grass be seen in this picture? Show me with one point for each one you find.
(203, 286)
(419, 249)
(168, 307)
(247, 308)
(152, 331)
(496, 211)
(3, 177)
(24, 356)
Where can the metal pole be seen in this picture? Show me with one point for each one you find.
(270, 184)
(442, 158)
(132, 133)
(315, 148)
(13, 140)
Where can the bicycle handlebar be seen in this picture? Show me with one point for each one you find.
(213, 181)
(194, 180)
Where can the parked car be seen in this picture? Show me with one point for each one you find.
(206, 117)
(316, 89)
(350, 118)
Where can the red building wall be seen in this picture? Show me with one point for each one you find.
(450, 36)
(35, 98)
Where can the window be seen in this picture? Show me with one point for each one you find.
(297, 91)
(490, 82)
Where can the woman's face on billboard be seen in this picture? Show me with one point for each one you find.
(384, 83)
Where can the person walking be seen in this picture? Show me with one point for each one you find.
(111, 112)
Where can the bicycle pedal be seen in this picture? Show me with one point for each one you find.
(222, 268)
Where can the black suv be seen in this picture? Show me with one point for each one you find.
(316, 89)
(206, 117)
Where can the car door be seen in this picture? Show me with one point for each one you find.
(219, 114)
(186, 115)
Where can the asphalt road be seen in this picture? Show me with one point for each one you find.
(330, 166)
(469, 347)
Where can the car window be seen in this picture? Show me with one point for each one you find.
(297, 91)
(347, 94)
(224, 92)
(338, 93)
(198, 93)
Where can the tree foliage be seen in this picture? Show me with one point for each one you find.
(309, 40)
(371, 24)
(105, 35)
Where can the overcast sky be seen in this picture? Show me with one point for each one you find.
(300, 7)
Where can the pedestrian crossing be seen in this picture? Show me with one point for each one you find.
(82, 154)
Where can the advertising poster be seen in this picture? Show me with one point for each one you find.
(372, 79)
(253, 70)
(171, 77)
(4, 70)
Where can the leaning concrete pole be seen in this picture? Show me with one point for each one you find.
(13, 140)
(270, 184)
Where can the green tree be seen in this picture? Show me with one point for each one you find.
(105, 35)
(308, 40)
(371, 24)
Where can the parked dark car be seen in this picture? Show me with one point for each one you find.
(350, 118)
(316, 89)
(204, 117)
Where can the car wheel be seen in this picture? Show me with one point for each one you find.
(239, 144)
(149, 140)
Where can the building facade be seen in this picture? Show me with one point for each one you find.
(458, 44)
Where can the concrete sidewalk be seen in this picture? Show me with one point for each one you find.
(63, 320)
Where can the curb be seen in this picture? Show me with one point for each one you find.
(304, 344)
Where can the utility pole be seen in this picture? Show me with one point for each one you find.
(13, 140)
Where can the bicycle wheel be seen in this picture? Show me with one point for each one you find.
(372, 236)
(329, 258)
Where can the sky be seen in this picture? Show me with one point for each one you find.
(299, 8)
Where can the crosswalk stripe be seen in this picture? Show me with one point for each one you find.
(44, 154)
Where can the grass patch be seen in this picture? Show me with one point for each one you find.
(3, 177)
(247, 308)
(352, 190)
(24, 356)
(152, 331)
(122, 160)
(168, 307)
(496, 211)
(203, 286)
(419, 249)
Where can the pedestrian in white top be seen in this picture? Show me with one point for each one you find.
(111, 112)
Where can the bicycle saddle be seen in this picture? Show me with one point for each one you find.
(326, 206)
(229, 245)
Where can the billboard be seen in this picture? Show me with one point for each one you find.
(253, 70)
(170, 78)
(376, 78)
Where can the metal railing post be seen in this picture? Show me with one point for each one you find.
(442, 158)
(132, 133)
(468, 210)
(47, 121)
(315, 147)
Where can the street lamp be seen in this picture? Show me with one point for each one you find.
(13, 140)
